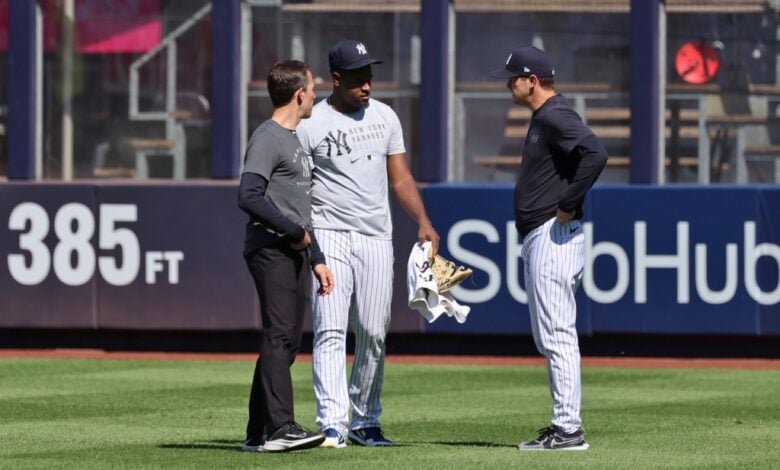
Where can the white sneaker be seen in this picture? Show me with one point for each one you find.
(333, 439)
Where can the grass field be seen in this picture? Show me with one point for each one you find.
(188, 414)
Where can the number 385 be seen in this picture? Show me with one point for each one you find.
(73, 257)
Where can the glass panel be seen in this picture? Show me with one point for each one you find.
(3, 96)
(306, 31)
(736, 93)
(589, 51)
(167, 136)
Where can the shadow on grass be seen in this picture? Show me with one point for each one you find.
(233, 442)
(217, 444)
(235, 446)
(467, 444)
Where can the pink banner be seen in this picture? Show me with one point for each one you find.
(101, 26)
(117, 25)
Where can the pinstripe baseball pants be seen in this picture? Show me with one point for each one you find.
(362, 269)
(554, 259)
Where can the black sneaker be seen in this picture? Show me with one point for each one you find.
(553, 438)
(253, 445)
(292, 436)
(369, 437)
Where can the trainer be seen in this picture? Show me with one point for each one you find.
(561, 160)
(275, 192)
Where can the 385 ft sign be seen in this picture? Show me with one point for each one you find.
(73, 258)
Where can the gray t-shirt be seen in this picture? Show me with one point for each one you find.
(275, 153)
(349, 152)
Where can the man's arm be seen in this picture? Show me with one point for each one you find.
(592, 158)
(252, 200)
(317, 256)
(408, 195)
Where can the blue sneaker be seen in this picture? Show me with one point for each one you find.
(369, 437)
(253, 445)
(333, 439)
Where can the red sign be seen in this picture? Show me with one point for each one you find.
(696, 62)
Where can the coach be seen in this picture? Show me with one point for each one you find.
(561, 161)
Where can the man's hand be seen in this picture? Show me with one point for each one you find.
(303, 244)
(564, 217)
(325, 277)
(428, 233)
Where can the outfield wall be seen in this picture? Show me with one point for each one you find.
(667, 260)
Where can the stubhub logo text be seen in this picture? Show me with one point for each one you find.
(741, 265)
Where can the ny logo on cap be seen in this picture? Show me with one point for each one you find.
(526, 70)
(361, 49)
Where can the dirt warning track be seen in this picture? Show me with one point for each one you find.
(628, 362)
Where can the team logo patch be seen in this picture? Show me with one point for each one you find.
(361, 49)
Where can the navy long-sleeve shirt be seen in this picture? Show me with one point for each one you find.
(561, 161)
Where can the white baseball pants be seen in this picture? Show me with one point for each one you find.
(554, 259)
(363, 285)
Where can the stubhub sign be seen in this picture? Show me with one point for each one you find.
(680, 264)
(658, 259)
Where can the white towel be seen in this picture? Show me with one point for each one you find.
(423, 293)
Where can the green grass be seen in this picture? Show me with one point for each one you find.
(156, 414)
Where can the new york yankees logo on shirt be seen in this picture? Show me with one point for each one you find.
(339, 141)
(305, 163)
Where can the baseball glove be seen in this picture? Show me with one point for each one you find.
(448, 274)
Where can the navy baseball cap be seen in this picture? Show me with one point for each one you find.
(524, 62)
(350, 55)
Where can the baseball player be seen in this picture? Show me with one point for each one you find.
(561, 161)
(357, 145)
(275, 192)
